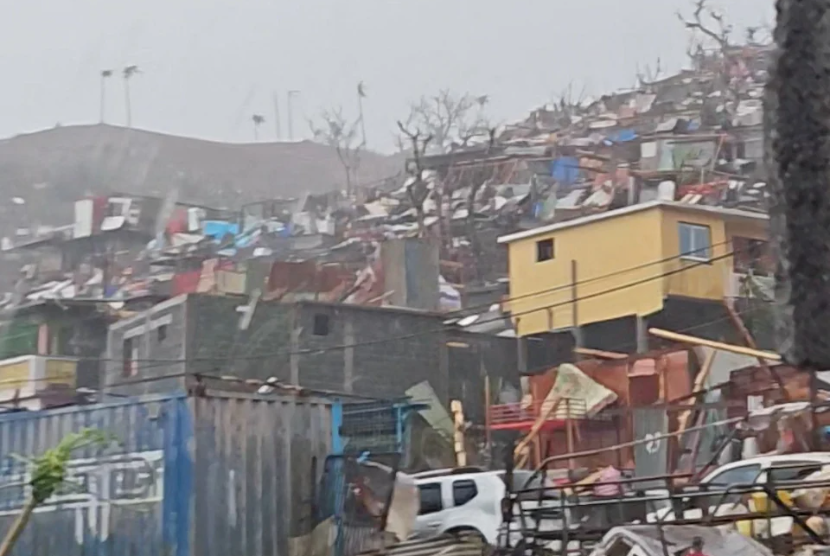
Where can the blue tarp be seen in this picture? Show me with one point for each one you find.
(622, 136)
(565, 170)
(218, 228)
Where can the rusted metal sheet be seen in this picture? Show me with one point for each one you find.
(446, 545)
(675, 375)
(220, 474)
(254, 463)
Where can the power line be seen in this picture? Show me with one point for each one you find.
(322, 350)
(510, 299)
(622, 347)
(143, 380)
(619, 347)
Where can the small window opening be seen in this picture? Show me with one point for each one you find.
(544, 250)
(130, 358)
(321, 324)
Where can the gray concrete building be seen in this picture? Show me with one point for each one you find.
(370, 351)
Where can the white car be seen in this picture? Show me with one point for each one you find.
(469, 500)
(758, 470)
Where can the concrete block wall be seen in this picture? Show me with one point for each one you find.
(216, 345)
(159, 336)
(343, 348)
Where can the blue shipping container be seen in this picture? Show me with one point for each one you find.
(223, 474)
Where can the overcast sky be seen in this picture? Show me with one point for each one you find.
(208, 65)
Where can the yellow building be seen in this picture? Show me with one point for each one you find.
(629, 262)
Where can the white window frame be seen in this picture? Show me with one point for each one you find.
(695, 248)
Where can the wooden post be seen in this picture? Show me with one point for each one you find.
(537, 451)
(488, 419)
(569, 433)
(458, 414)
(521, 354)
(740, 325)
(642, 335)
(518, 452)
(698, 437)
(574, 305)
(683, 419)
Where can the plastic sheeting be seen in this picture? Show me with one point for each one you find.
(565, 170)
(217, 229)
(678, 538)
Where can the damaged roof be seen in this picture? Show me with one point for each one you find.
(631, 209)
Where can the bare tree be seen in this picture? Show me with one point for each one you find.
(708, 25)
(438, 123)
(343, 135)
(417, 188)
(258, 120)
(448, 118)
(715, 29)
(475, 186)
(649, 74)
(566, 106)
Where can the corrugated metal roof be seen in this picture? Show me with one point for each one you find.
(445, 545)
(631, 210)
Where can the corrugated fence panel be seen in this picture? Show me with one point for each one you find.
(131, 497)
(253, 460)
(184, 477)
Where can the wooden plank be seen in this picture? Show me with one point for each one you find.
(569, 435)
(695, 341)
(487, 417)
(518, 452)
(683, 419)
(460, 452)
(750, 342)
(590, 352)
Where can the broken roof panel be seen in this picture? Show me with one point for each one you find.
(565, 169)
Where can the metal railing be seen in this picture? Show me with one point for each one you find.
(584, 518)
(508, 414)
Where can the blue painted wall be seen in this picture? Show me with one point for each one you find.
(185, 477)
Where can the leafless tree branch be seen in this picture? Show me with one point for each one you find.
(337, 131)
(449, 118)
(649, 74)
(417, 189)
(698, 24)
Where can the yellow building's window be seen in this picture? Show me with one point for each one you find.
(544, 250)
(695, 241)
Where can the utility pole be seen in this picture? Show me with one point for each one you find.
(797, 145)
(577, 331)
(128, 74)
(277, 124)
(105, 75)
(291, 95)
(361, 94)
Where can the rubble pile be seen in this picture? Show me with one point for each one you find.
(693, 137)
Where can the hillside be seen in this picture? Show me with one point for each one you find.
(50, 169)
